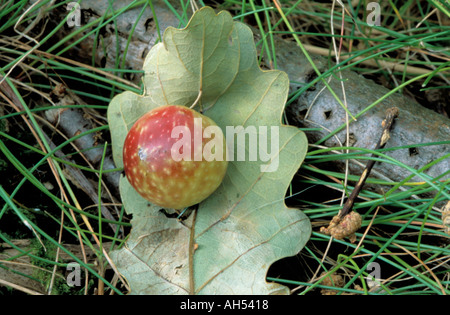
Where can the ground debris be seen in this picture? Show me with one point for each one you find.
(332, 280)
(340, 228)
(446, 217)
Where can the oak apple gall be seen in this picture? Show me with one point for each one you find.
(174, 156)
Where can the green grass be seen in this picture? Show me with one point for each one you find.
(406, 237)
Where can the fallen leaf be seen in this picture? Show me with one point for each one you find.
(228, 245)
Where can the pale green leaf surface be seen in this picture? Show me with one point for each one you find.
(123, 111)
(245, 225)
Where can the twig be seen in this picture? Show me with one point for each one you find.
(387, 124)
(192, 248)
(20, 288)
(394, 66)
(446, 217)
(347, 222)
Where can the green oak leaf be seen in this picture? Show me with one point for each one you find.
(228, 244)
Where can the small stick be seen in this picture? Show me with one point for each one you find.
(387, 124)
(192, 248)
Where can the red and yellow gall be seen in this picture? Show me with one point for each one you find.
(169, 158)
